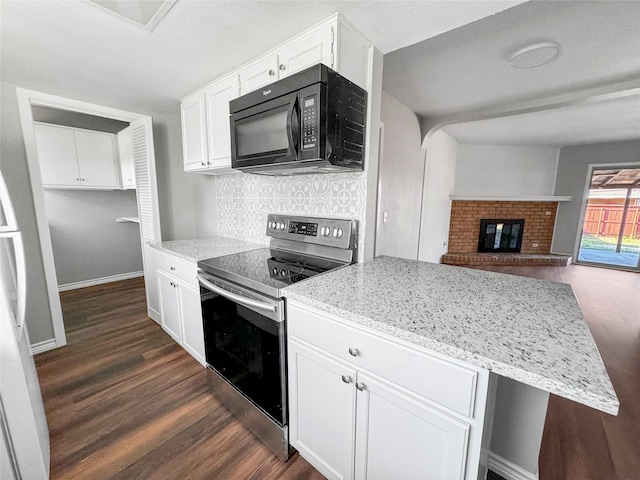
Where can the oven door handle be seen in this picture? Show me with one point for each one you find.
(234, 297)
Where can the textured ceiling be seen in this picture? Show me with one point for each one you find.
(466, 69)
(77, 49)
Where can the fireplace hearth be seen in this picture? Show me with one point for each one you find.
(500, 235)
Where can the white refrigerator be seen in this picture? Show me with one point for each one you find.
(24, 435)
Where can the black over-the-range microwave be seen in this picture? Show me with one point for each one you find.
(310, 122)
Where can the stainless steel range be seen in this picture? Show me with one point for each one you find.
(244, 317)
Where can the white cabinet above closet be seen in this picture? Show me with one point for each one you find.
(75, 158)
(206, 138)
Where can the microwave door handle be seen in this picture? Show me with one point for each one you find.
(234, 297)
(293, 126)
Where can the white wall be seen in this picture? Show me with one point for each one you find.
(505, 170)
(571, 180)
(439, 179)
(87, 241)
(400, 181)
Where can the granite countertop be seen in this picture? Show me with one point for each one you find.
(525, 329)
(198, 249)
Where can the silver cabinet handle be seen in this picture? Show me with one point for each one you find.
(354, 352)
(282, 67)
(346, 378)
(360, 386)
(202, 163)
(271, 73)
(234, 297)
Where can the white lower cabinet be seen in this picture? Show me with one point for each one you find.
(169, 305)
(352, 418)
(321, 410)
(398, 436)
(179, 303)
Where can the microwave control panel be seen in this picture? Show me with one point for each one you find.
(309, 122)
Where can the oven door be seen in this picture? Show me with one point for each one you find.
(267, 133)
(244, 335)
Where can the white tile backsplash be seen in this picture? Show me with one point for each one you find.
(244, 201)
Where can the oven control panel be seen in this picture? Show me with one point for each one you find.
(332, 232)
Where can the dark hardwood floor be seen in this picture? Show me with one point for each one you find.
(123, 401)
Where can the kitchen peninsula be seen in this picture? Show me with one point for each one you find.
(531, 331)
(411, 351)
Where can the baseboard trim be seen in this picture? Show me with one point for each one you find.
(154, 315)
(99, 281)
(509, 470)
(44, 346)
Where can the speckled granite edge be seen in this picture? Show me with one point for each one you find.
(196, 249)
(596, 401)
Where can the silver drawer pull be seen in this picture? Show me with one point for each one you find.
(346, 378)
(360, 386)
(354, 352)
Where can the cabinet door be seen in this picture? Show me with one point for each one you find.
(127, 165)
(218, 130)
(97, 159)
(57, 155)
(169, 307)
(191, 315)
(398, 436)
(306, 52)
(259, 74)
(321, 410)
(194, 132)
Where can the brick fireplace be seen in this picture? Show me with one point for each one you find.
(539, 221)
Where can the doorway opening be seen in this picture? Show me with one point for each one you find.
(145, 179)
(611, 226)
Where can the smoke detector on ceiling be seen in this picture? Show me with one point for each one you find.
(534, 55)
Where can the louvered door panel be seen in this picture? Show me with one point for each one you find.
(142, 152)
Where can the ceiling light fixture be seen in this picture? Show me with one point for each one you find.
(534, 55)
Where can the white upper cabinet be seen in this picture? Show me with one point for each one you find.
(206, 138)
(308, 50)
(127, 164)
(97, 159)
(217, 98)
(194, 132)
(75, 158)
(314, 48)
(57, 155)
(259, 74)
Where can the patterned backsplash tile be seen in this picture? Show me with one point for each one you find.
(244, 201)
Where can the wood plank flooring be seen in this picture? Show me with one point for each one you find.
(124, 401)
(580, 443)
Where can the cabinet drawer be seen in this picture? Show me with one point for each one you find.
(449, 384)
(178, 268)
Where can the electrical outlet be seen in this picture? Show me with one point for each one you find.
(547, 213)
(384, 217)
(534, 245)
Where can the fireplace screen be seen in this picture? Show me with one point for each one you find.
(500, 235)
